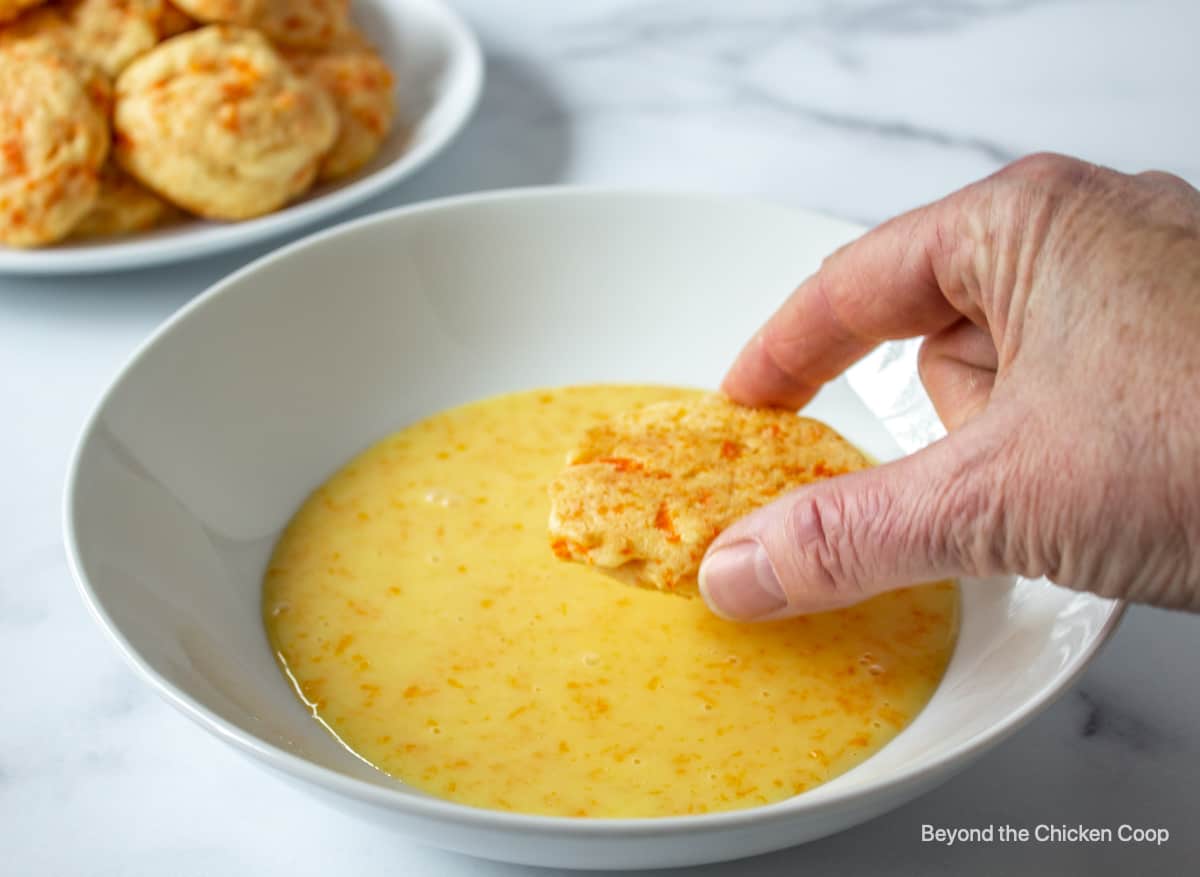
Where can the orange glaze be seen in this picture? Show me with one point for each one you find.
(423, 617)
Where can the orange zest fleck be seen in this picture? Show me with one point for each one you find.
(622, 464)
(663, 521)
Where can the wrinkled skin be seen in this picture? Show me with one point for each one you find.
(1061, 307)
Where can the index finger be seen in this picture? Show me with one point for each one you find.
(896, 281)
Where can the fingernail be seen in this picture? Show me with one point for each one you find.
(739, 583)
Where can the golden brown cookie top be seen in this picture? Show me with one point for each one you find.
(300, 23)
(216, 120)
(363, 90)
(106, 33)
(646, 492)
(111, 33)
(304, 23)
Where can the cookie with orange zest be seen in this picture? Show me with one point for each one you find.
(54, 138)
(308, 24)
(363, 90)
(218, 123)
(111, 33)
(646, 492)
(123, 206)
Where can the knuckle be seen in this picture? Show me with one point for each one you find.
(963, 533)
(1147, 555)
(1166, 198)
(1050, 170)
(779, 350)
(1030, 539)
(817, 526)
(1163, 178)
(849, 532)
(776, 346)
(832, 259)
(975, 512)
(1058, 508)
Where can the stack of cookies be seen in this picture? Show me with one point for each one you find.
(116, 115)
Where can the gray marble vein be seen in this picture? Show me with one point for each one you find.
(884, 129)
(825, 23)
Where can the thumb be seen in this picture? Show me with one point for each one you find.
(933, 515)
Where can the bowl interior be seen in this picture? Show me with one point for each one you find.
(246, 401)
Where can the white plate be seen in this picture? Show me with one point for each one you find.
(252, 395)
(439, 76)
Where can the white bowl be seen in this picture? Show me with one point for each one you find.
(439, 76)
(248, 398)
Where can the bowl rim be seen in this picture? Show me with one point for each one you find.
(465, 56)
(464, 815)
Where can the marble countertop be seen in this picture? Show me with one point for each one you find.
(860, 108)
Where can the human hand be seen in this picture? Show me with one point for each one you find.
(1061, 307)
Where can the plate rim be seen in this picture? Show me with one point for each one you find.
(465, 55)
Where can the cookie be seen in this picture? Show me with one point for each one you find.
(123, 206)
(645, 493)
(111, 33)
(217, 122)
(107, 33)
(54, 138)
(310, 24)
(362, 88)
